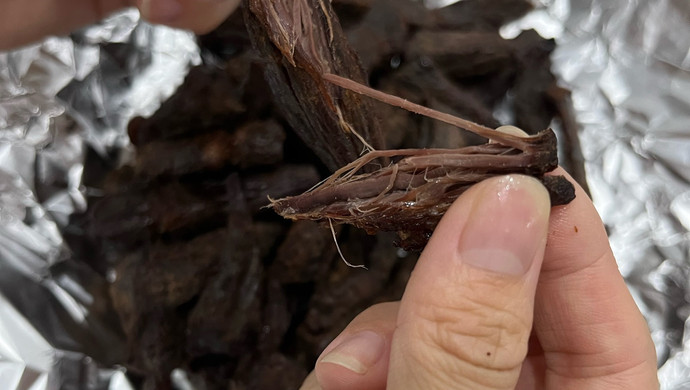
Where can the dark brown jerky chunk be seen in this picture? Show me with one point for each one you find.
(341, 294)
(300, 256)
(532, 107)
(258, 143)
(285, 180)
(272, 372)
(485, 15)
(571, 157)
(227, 317)
(427, 80)
(381, 33)
(462, 54)
(254, 144)
(215, 101)
(164, 209)
(170, 275)
(208, 151)
(300, 40)
(150, 288)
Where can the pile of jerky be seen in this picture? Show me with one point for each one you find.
(209, 281)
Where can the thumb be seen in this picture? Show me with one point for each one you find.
(466, 315)
(200, 16)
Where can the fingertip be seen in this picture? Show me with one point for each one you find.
(512, 130)
(358, 358)
(335, 377)
(468, 306)
(585, 317)
(577, 235)
(310, 382)
(507, 215)
(199, 16)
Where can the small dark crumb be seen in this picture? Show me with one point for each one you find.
(576, 230)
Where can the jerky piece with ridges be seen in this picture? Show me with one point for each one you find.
(299, 40)
(533, 110)
(428, 80)
(208, 98)
(342, 294)
(572, 159)
(253, 144)
(410, 195)
(484, 15)
(463, 54)
(298, 259)
(285, 180)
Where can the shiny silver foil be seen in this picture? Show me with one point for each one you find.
(58, 98)
(626, 61)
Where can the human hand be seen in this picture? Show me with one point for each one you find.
(493, 304)
(22, 21)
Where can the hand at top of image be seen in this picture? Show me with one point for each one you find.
(23, 22)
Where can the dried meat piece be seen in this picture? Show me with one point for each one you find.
(533, 109)
(572, 159)
(206, 100)
(253, 144)
(462, 54)
(153, 211)
(289, 179)
(480, 15)
(429, 81)
(150, 293)
(275, 371)
(381, 33)
(299, 40)
(410, 195)
(258, 143)
(299, 257)
(342, 294)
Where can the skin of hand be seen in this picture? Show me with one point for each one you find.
(508, 294)
(23, 22)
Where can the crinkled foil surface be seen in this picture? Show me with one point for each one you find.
(626, 61)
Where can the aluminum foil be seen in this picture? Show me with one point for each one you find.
(626, 61)
(59, 98)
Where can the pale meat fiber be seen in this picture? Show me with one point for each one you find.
(626, 62)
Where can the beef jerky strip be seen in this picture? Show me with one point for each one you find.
(410, 195)
(462, 54)
(209, 98)
(158, 209)
(299, 40)
(486, 15)
(253, 144)
(429, 80)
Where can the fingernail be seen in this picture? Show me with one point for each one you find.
(358, 352)
(507, 225)
(513, 130)
(160, 11)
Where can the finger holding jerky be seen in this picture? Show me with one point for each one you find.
(23, 22)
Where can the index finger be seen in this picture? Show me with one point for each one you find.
(23, 22)
(589, 327)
